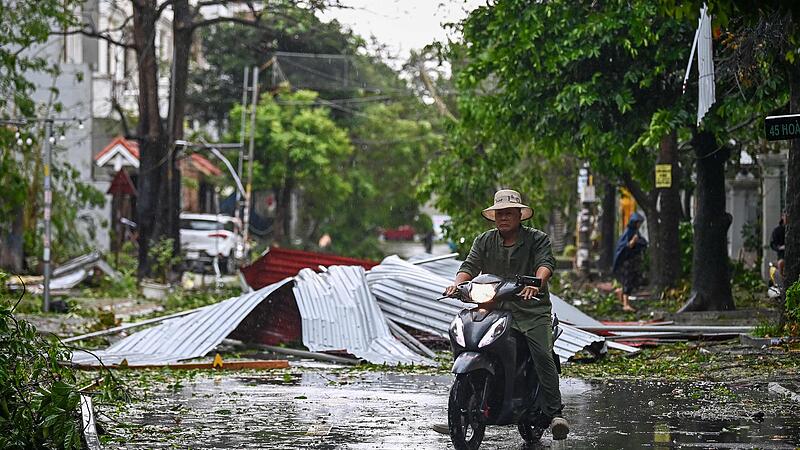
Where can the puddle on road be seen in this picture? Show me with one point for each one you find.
(325, 409)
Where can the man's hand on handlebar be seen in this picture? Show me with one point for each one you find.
(529, 292)
(450, 291)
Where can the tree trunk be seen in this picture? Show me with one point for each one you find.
(283, 213)
(159, 202)
(668, 204)
(182, 29)
(11, 250)
(711, 281)
(154, 158)
(656, 247)
(687, 204)
(792, 256)
(608, 235)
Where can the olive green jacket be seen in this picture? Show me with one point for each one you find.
(531, 251)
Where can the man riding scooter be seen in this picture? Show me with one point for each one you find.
(509, 250)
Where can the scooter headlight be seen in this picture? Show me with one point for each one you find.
(493, 333)
(482, 293)
(457, 331)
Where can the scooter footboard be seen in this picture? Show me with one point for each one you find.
(472, 361)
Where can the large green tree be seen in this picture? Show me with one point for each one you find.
(393, 132)
(299, 149)
(596, 82)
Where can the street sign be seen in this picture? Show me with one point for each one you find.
(780, 128)
(588, 194)
(663, 175)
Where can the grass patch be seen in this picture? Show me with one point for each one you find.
(717, 362)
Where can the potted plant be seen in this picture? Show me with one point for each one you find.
(163, 258)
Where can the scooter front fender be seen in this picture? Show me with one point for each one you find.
(472, 361)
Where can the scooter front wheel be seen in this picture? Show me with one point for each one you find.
(530, 433)
(465, 418)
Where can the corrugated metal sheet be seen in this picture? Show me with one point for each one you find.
(407, 295)
(274, 321)
(280, 263)
(184, 337)
(448, 268)
(340, 313)
(705, 65)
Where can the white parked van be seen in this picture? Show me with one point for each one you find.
(205, 236)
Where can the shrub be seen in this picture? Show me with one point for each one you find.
(793, 302)
(164, 258)
(39, 396)
(39, 401)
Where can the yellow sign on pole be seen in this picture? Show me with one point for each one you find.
(663, 175)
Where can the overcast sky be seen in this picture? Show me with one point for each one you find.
(401, 25)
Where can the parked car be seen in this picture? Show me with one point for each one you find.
(401, 233)
(205, 236)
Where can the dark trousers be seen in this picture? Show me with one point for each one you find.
(540, 344)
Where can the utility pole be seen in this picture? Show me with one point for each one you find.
(47, 159)
(249, 192)
(245, 86)
(583, 259)
(48, 201)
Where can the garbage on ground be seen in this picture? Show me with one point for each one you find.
(66, 276)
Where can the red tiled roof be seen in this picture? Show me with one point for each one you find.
(280, 263)
(202, 163)
(131, 146)
(205, 166)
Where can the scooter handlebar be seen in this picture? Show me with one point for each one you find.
(529, 281)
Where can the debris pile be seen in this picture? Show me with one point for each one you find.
(343, 309)
(66, 276)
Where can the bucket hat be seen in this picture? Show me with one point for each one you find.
(507, 198)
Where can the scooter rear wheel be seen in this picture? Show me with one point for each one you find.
(464, 416)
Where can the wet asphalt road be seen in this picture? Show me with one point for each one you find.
(319, 407)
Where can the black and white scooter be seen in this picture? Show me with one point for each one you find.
(496, 382)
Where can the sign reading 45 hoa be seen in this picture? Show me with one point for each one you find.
(779, 128)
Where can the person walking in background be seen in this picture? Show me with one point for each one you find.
(778, 241)
(627, 267)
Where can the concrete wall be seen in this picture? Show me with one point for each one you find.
(743, 199)
(74, 94)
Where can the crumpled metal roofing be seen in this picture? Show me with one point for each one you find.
(407, 295)
(448, 268)
(340, 313)
(181, 338)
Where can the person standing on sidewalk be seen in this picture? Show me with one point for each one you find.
(627, 267)
(508, 250)
(778, 242)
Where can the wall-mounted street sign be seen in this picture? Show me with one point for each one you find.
(663, 175)
(780, 128)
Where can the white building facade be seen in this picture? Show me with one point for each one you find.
(96, 85)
